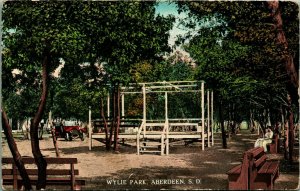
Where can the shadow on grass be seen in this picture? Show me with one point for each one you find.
(95, 150)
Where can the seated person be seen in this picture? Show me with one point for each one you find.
(262, 142)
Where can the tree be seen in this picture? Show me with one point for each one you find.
(293, 82)
(216, 59)
(250, 24)
(46, 32)
(79, 32)
(133, 34)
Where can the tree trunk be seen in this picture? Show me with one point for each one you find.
(105, 124)
(289, 62)
(54, 140)
(112, 127)
(291, 133)
(15, 152)
(224, 141)
(290, 69)
(117, 124)
(39, 159)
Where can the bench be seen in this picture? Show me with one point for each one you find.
(58, 175)
(255, 172)
(274, 146)
(263, 172)
(238, 175)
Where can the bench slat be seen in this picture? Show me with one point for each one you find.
(51, 160)
(260, 161)
(254, 152)
(258, 152)
(48, 172)
(235, 170)
(270, 167)
(8, 180)
(65, 176)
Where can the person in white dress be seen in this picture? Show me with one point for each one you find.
(262, 142)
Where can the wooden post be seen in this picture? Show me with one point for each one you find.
(90, 128)
(53, 134)
(123, 105)
(18, 125)
(10, 122)
(1, 127)
(138, 143)
(144, 102)
(166, 106)
(108, 103)
(166, 124)
(144, 108)
(258, 128)
(72, 176)
(15, 176)
(212, 118)
(208, 119)
(162, 145)
(202, 115)
(167, 137)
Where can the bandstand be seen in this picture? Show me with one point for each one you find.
(156, 135)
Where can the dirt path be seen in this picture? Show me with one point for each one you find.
(187, 167)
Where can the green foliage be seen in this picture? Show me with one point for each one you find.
(237, 52)
(71, 99)
(90, 37)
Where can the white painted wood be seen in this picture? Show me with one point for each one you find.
(162, 147)
(123, 105)
(212, 118)
(155, 124)
(183, 124)
(165, 135)
(144, 103)
(90, 128)
(202, 114)
(108, 104)
(167, 138)
(208, 118)
(151, 136)
(137, 143)
(166, 106)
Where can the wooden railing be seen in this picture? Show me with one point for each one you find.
(142, 128)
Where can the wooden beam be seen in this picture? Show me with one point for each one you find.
(212, 117)
(208, 118)
(144, 103)
(202, 115)
(90, 128)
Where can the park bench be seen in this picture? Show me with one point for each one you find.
(273, 147)
(238, 175)
(255, 172)
(58, 175)
(263, 172)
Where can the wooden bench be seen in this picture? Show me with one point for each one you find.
(255, 172)
(238, 175)
(262, 172)
(274, 146)
(58, 175)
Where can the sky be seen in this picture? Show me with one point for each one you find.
(165, 8)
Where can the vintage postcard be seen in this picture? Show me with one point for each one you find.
(149, 95)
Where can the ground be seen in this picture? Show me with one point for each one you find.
(186, 168)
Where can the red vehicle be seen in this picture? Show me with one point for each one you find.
(69, 130)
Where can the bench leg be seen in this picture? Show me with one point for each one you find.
(263, 182)
(77, 187)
